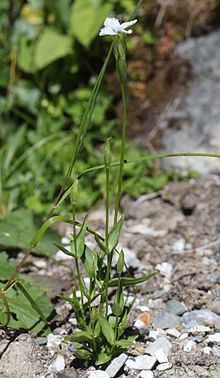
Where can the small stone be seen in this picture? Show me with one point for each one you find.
(183, 336)
(189, 346)
(98, 374)
(207, 350)
(173, 332)
(161, 356)
(146, 374)
(67, 373)
(179, 245)
(216, 351)
(40, 340)
(145, 318)
(214, 338)
(143, 308)
(175, 307)
(116, 365)
(165, 269)
(139, 324)
(58, 364)
(165, 366)
(153, 335)
(161, 343)
(166, 320)
(141, 363)
(201, 317)
(53, 341)
(199, 329)
(215, 306)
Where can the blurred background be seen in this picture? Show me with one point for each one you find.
(50, 57)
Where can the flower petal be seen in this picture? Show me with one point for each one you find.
(126, 31)
(111, 22)
(107, 31)
(127, 24)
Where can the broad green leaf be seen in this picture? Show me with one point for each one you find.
(115, 234)
(107, 330)
(25, 313)
(103, 357)
(17, 229)
(83, 354)
(50, 47)
(86, 18)
(116, 309)
(129, 281)
(7, 267)
(125, 343)
(26, 56)
(80, 337)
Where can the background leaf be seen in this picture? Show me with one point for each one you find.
(86, 18)
(51, 46)
(17, 228)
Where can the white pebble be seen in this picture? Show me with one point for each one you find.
(146, 374)
(139, 324)
(183, 336)
(165, 269)
(189, 346)
(199, 329)
(207, 350)
(153, 335)
(53, 341)
(141, 362)
(173, 332)
(179, 245)
(165, 366)
(214, 338)
(160, 356)
(98, 374)
(58, 364)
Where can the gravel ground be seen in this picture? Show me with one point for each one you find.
(177, 313)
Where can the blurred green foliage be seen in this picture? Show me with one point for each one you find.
(49, 58)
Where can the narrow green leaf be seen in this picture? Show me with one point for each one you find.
(101, 245)
(64, 250)
(97, 330)
(125, 343)
(129, 281)
(90, 262)
(115, 234)
(120, 263)
(107, 330)
(80, 240)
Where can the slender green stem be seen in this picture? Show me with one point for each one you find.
(123, 139)
(107, 206)
(75, 253)
(106, 283)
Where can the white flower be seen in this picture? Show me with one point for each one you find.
(112, 26)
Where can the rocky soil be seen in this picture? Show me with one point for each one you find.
(176, 313)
